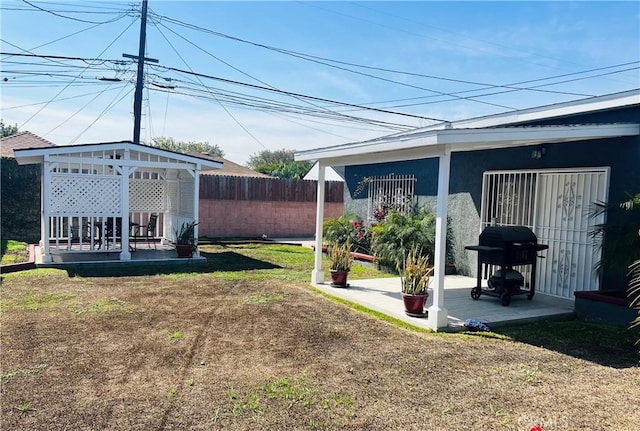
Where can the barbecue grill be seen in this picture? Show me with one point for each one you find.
(506, 247)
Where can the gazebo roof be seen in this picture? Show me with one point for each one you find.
(139, 155)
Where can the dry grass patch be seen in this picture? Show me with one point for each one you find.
(267, 353)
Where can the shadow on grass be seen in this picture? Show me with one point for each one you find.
(606, 345)
(216, 262)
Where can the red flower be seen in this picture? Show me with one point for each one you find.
(356, 225)
(536, 428)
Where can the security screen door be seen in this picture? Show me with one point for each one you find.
(556, 205)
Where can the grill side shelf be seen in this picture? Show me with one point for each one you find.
(483, 248)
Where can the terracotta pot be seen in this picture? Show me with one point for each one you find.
(339, 278)
(184, 250)
(414, 304)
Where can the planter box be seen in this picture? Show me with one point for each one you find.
(605, 306)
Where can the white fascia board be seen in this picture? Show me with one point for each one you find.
(364, 148)
(36, 155)
(418, 152)
(201, 163)
(124, 162)
(437, 142)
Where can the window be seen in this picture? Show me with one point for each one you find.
(390, 193)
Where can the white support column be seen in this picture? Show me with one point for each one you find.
(45, 189)
(317, 275)
(437, 317)
(196, 205)
(125, 171)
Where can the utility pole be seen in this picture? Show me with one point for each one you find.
(137, 102)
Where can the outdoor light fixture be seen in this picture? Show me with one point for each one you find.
(539, 152)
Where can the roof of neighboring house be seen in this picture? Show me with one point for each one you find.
(229, 168)
(20, 141)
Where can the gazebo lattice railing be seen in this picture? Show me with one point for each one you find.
(90, 192)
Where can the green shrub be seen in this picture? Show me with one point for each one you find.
(348, 228)
(398, 233)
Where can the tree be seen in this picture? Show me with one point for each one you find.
(7, 130)
(279, 163)
(167, 143)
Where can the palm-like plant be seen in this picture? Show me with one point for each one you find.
(622, 251)
(186, 235)
(618, 237)
(415, 273)
(634, 268)
(340, 257)
(399, 233)
(337, 230)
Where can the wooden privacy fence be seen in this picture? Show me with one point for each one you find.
(253, 207)
(266, 189)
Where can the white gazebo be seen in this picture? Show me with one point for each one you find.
(90, 191)
(441, 140)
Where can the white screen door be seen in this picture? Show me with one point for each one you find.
(556, 205)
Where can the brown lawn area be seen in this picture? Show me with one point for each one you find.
(258, 349)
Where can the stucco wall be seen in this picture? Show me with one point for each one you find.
(231, 218)
(465, 188)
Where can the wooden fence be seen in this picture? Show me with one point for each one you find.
(266, 189)
(253, 207)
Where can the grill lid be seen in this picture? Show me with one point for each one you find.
(499, 236)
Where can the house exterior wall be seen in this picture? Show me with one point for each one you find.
(234, 218)
(465, 189)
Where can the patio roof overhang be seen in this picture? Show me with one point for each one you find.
(434, 143)
(441, 143)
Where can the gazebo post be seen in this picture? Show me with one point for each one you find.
(125, 171)
(437, 317)
(44, 210)
(317, 275)
(196, 205)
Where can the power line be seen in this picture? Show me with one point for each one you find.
(323, 60)
(238, 70)
(81, 108)
(75, 19)
(221, 105)
(61, 91)
(104, 111)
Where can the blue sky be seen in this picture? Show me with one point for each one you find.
(461, 49)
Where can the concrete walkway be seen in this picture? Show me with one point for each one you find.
(383, 295)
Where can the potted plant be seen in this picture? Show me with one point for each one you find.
(415, 275)
(186, 241)
(340, 257)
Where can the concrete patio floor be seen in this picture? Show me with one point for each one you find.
(383, 295)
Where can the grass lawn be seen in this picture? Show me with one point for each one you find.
(13, 252)
(246, 344)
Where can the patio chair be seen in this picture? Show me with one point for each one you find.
(108, 233)
(150, 229)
